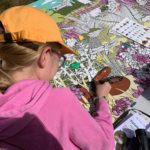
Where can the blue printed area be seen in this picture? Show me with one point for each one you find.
(49, 4)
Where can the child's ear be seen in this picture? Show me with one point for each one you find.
(47, 49)
(44, 55)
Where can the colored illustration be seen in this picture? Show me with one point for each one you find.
(86, 27)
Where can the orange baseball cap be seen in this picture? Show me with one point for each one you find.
(29, 24)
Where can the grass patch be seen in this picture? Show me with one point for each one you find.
(5, 4)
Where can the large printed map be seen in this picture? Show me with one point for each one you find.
(86, 27)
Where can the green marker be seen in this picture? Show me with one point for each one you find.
(132, 105)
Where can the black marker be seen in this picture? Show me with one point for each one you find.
(92, 85)
(115, 124)
(101, 81)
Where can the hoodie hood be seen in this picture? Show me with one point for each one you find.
(20, 104)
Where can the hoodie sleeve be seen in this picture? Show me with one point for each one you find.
(87, 132)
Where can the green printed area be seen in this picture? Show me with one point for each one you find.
(104, 8)
(50, 12)
(91, 30)
(62, 32)
(44, 9)
(75, 5)
(134, 124)
(56, 16)
(132, 127)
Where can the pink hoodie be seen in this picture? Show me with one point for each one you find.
(35, 116)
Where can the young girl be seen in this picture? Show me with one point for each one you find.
(33, 115)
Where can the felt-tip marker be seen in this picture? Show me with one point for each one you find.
(116, 123)
(101, 81)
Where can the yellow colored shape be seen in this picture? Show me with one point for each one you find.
(64, 39)
(65, 22)
(81, 37)
(72, 38)
(123, 39)
(77, 51)
(101, 4)
(147, 24)
(62, 82)
(113, 37)
(86, 106)
(85, 85)
(99, 60)
(55, 82)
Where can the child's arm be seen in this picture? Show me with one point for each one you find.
(90, 133)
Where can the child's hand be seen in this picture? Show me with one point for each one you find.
(102, 89)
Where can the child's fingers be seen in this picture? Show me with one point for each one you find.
(97, 82)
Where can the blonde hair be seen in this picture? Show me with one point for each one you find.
(18, 55)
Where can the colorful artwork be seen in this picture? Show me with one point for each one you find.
(86, 27)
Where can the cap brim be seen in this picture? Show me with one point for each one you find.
(66, 49)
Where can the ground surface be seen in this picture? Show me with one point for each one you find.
(5, 4)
